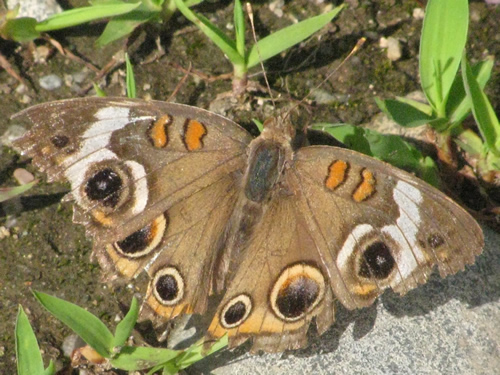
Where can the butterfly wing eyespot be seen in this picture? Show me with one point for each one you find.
(297, 292)
(387, 229)
(236, 311)
(168, 286)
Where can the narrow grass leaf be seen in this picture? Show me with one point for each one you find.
(29, 359)
(132, 358)
(444, 33)
(459, 104)
(404, 114)
(78, 16)
(239, 27)
(130, 79)
(51, 369)
(216, 35)
(122, 25)
(197, 352)
(389, 148)
(483, 111)
(125, 327)
(83, 323)
(288, 37)
(11, 192)
(98, 91)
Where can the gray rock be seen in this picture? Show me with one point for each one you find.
(50, 82)
(39, 9)
(447, 326)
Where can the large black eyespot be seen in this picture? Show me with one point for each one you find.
(143, 241)
(377, 261)
(236, 311)
(168, 286)
(104, 186)
(298, 290)
(297, 297)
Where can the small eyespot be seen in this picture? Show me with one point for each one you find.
(168, 286)
(435, 241)
(104, 186)
(377, 261)
(59, 141)
(236, 311)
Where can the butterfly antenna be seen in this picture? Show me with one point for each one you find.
(250, 16)
(356, 48)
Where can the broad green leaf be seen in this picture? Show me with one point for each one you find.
(444, 34)
(459, 105)
(216, 35)
(20, 29)
(130, 79)
(483, 111)
(83, 323)
(132, 358)
(29, 359)
(78, 16)
(404, 114)
(282, 39)
(125, 327)
(11, 192)
(389, 148)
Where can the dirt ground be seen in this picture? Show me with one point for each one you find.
(46, 252)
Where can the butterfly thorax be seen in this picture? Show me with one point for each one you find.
(268, 157)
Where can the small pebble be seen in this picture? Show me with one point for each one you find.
(4, 232)
(50, 82)
(418, 13)
(22, 176)
(394, 49)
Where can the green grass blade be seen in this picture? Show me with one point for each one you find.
(98, 91)
(389, 148)
(11, 192)
(78, 16)
(288, 36)
(51, 369)
(239, 27)
(139, 358)
(403, 113)
(444, 34)
(130, 79)
(216, 35)
(83, 323)
(459, 105)
(125, 327)
(197, 352)
(483, 112)
(29, 359)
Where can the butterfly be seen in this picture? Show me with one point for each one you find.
(278, 232)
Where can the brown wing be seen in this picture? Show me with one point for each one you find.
(281, 283)
(154, 185)
(378, 226)
(343, 226)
